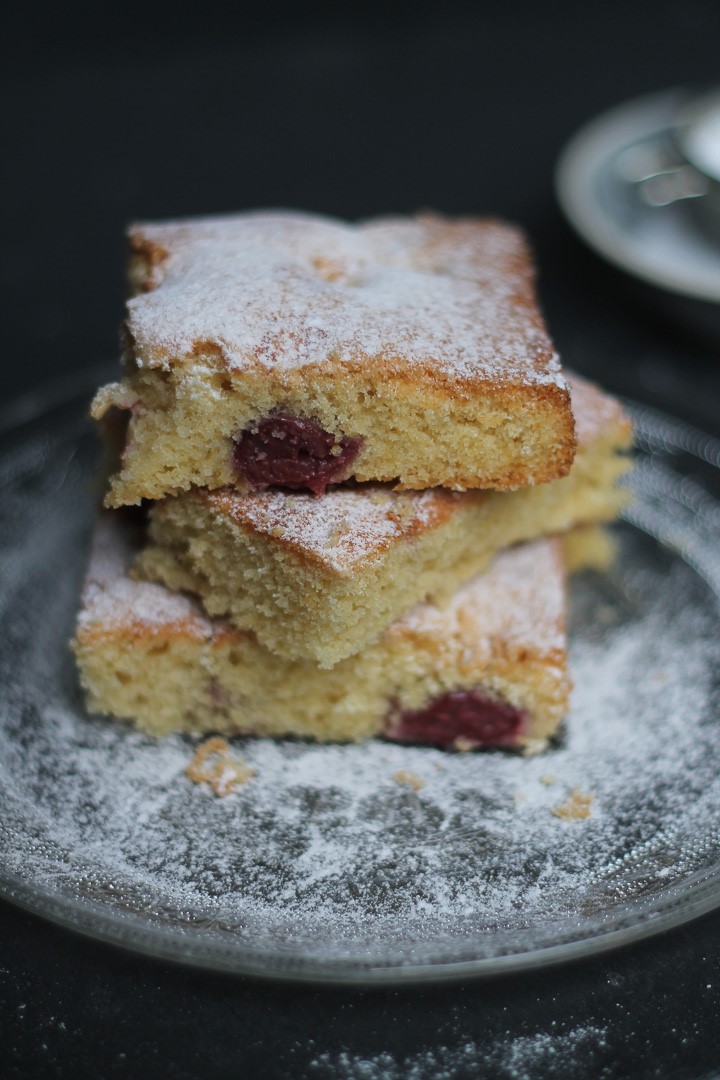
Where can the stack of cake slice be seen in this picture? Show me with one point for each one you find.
(352, 440)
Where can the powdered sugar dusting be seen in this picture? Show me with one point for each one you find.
(113, 601)
(285, 290)
(519, 604)
(322, 854)
(344, 527)
(322, 863)
(596, 413)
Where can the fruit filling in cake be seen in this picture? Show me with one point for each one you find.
(294, 452)
(469, 717)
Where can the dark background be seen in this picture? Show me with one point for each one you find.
(111, 114)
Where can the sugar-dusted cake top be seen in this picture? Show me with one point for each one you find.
(518, 603)
(596, 413)
(281, 290)
(114, 602)
(342, 528)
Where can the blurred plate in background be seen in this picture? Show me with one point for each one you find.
(661, 244)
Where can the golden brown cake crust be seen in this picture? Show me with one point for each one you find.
(418, 339)
(450, 301)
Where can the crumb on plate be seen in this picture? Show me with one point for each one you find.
(576, 807)
(409, 779)
(215, 764)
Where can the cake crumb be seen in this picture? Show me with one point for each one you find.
(409, 779)
(548, 779)
(213, 763)
(576, 807)
(534, 746)
(519, 798)
(463, 745)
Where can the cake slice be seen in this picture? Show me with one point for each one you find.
(279, 348)
(486, 669)
(321, 577)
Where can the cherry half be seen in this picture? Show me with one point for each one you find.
(292, 452)
(467, 715)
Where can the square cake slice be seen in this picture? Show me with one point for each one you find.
(489, 668)
(320, 577)
(285, 349)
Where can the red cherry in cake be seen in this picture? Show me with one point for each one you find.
(468, 715)
(292, 452)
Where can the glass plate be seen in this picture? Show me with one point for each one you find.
(325, 867)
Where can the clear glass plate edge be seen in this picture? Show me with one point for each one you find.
(133, 932)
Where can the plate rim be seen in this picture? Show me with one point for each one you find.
(94, 921)
(152, 941)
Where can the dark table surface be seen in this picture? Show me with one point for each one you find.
(354, 112)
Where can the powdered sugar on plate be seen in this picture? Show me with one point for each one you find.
(323, 864)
